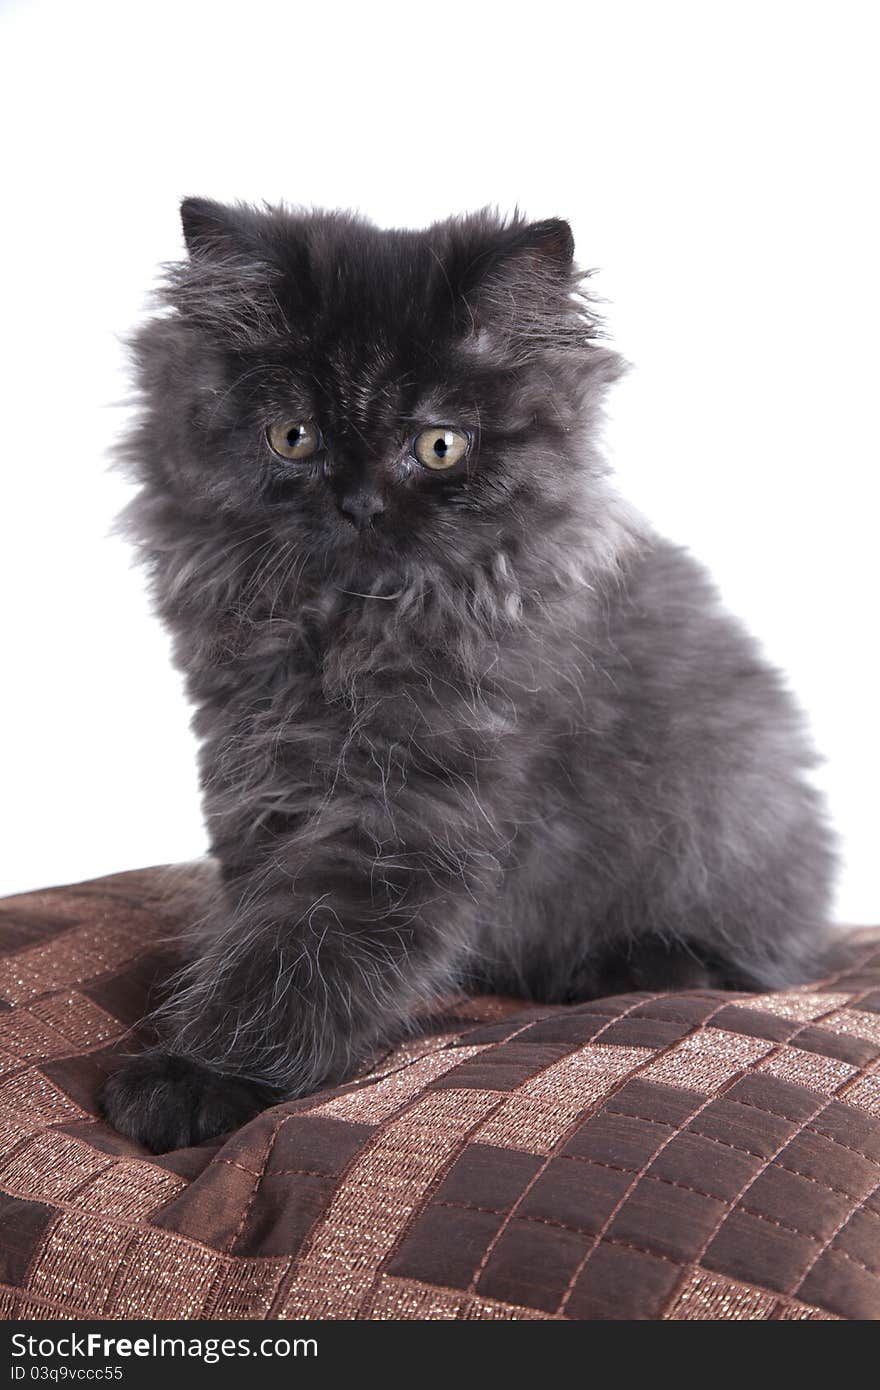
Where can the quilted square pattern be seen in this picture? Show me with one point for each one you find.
(664, 1156)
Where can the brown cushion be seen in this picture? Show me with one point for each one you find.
(696, 1155)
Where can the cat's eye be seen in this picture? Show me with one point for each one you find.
(440, 447)
(294, 439)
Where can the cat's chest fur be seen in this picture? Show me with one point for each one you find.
(349, 706)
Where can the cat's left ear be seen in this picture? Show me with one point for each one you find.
(542, 252)
(516, 284)
(548, 245)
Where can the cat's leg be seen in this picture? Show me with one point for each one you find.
(758, 925)
(652, 963)
(559, 978)
(167, 1100)
(745, 936)
(300, 976)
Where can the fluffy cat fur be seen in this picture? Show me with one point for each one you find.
(496, 736)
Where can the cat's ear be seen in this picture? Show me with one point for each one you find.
(516, 284)
(543, 251)
(548, 245)
(213, 230)
(226, 286)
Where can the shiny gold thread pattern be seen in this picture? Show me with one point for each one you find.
(854, 1023)
(708, 1297)
(130, 1190)
(376, 1102)
(864, 1095)
(811, 1069)
(78, 1019)
(536, 1115)
(706, 1060)
(410, 1300)
(247, 1289)
(37, 1098)
(51, 1167)
(800, 1007)
(76, 955)
(375, 1201)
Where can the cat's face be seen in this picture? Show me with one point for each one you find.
(374, 401)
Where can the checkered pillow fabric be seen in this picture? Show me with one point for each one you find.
(695, 1155)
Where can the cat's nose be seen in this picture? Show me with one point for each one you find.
(362, 507)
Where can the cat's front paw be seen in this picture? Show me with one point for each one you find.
(165, 1101)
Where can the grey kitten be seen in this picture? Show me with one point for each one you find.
(466, 721)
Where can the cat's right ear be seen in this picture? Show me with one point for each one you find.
(214, 230)
(226, 286)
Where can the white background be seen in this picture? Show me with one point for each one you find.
(718, 163)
